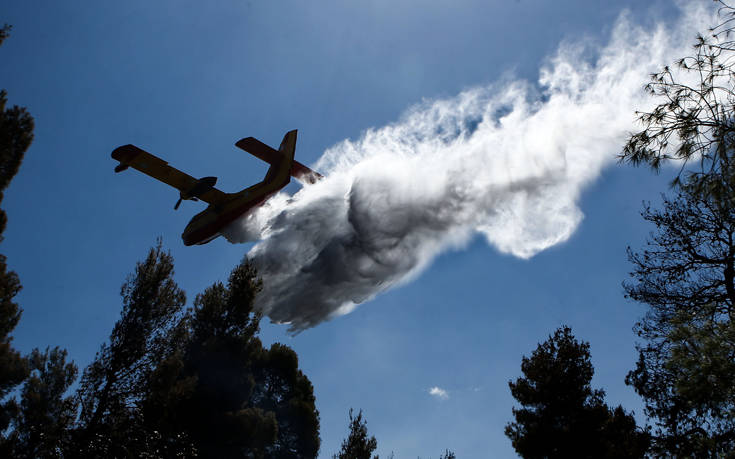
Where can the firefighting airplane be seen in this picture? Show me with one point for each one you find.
(224, 208)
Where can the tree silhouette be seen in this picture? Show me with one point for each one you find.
(16, 134)
(229, 394)
(46, 417)
(176, 383)
(693, 122)
(4, 32)
(13, 367)
(685, 275)
(561, 415)
(116, 381)
(686, 369)
(357, 445)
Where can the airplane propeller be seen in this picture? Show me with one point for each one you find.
(181, 198)
(202, 185)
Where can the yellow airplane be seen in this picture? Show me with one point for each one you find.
(224, 208)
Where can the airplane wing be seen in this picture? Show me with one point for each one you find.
(258, 149)
(265, 153)
(132, 156)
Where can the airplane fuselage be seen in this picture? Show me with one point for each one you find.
(207, 225)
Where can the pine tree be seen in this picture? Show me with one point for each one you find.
(685, 276)
(230, 395)
(4, 32)
(357, 445)
(46, 417)
(16, 134)
(116, 381)
(693, 123)
(561, 415)
(13, 367)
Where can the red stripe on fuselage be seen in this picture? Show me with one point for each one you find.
(211, 231)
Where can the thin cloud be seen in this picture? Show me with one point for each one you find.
(439, 393)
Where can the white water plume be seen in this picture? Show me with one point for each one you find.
(508, 162)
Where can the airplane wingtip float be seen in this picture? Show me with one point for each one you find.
(224, 208)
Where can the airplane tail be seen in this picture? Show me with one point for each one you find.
(285, 154)
(288, 146)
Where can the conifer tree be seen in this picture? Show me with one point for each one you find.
(46, 415)
(115, 382)
(16, 134)
(233, 397)
(357, 445)
(685, 275)
(561, 415)
(13, 367)
(686, 368)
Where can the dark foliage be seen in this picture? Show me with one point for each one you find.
(561, 415)
(175, 383)
(686, 368)
(686, 365)
(4, 32)
(693, 121)
(46, 416)
(13, 367)
(357, 445)
(233, 397)
(115, 382)
(16, 133)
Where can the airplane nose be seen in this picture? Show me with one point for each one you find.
(186, 236)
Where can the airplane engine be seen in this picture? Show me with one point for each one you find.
(201, 186)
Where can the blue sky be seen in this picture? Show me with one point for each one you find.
(185, 80)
